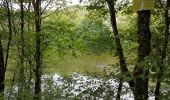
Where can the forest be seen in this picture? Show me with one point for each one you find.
(84, 50)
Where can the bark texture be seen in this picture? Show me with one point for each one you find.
(22, 76)
(140, 71)
(38, 50)
(10, 33)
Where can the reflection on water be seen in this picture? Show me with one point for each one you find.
(79, 87)
(83, 63)
(80, 84)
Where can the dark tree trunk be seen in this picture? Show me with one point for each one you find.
(38, 69)
(2, 64)
(140, 71)
(2, 70)
(10, 33)
(123, 66)
(22, 77)
(163, 53)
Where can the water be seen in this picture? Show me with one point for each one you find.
(83, 63)
(80, 83)
(81, 87)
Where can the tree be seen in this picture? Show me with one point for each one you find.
(3, 63)
(141, 72)
(123, 66)
(163, 52)
(38, 69)
(21, 75)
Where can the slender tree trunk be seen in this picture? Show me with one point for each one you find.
(38, 70)
(140, 71)
(163, 53)
(2, 69)
(10, 33)
(21, 77)
(123, 66)
(3, 64)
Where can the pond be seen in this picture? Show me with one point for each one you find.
(83, 63)
(83, 84)
(66, 78)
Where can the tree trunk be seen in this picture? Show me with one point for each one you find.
(10, 33)
(3, 64)
(38, 50)
(2, 70)
(21, 76)
(123, 66)
(140, 71)
(163, 53)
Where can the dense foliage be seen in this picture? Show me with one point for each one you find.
(100, 38)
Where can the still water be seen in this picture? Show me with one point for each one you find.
(83, 63)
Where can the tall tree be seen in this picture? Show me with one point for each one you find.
(7, 6)
(38, 70)
(163, 53)
(140, 71)
(21, 76)
(122, 62)
(3, 64)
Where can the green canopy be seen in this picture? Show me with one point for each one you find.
(139, 5)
